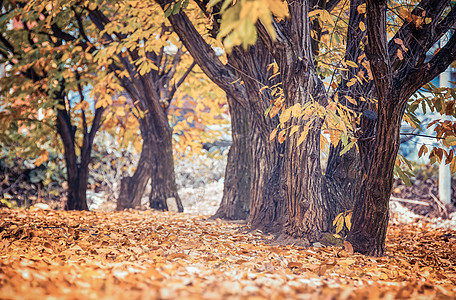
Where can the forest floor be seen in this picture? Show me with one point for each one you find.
(152, 255)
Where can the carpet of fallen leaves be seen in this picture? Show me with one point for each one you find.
(152, 255)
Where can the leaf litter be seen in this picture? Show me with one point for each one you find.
(47, 254)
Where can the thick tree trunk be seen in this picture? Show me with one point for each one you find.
(267, 208)
(163, 194)
(267, 205)
(235, 204)
(132, 188)
(310, 212)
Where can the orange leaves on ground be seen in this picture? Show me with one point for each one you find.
(144, 254)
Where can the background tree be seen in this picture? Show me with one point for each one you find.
(41, 80)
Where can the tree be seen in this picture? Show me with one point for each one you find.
(266, 205)
(152, 65)
(235, 204)
(398, 68)
(41, 77)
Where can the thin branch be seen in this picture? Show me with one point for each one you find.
(80, 25)
(180, 81)
(427, 71)
(422, 135)
(81, 96)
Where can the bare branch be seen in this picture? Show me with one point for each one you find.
(180, 81)
(427, 71)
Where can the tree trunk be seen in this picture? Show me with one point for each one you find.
(267, 208)
(235, 204)
(77, 174)
(309, 211)
(132, 188)
(163, 194)
(267, 205)
(370, 215)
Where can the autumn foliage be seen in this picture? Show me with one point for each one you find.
(151, 255)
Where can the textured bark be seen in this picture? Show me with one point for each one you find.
(152, 93)
(309, 212)
(235, 204)
(163, 180)
(343, 176)
(267, 205)
(132, 188)
(267, 208)
(396, 79)
(77, 172)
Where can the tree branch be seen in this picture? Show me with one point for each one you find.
(418, 40)
(205, 56)
(427, 71)
(377, 50)
(180, 81)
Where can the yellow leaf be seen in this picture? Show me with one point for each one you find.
(303, 135)
(273, 134)
(450, 141)
(351, 63)
(294, 129)
(351, 100)
(361, 8)
(263, 88)
(362, 26)
(278, 7)
(274, 111)
(296, 111)
(339, 224)
(351, 82)
(399, 54)
(348, 221)
(42, 158)
(281, 137)
(337, 218)
(285, 115)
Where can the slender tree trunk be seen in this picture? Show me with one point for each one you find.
(163, 194)
(132, 188)
(77, 174)
(370, 215)
(235, 204)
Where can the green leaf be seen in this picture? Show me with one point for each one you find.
(168, 11)
(177, 7)
(403, 176)
(346, 148)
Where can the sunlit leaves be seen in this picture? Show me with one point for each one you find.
(238, 26)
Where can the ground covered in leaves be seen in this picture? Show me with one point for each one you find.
(152, 255)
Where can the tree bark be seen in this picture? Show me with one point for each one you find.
(235, 204)
(163, 194)
(132, 188)
(77, 174)
(267, 205)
